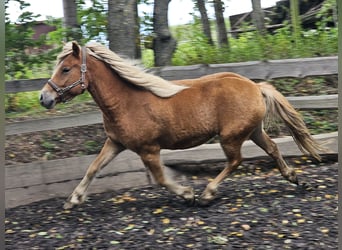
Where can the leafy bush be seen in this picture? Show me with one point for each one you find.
(193, 47)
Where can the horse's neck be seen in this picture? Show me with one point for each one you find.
(106, 87)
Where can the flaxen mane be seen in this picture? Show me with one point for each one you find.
(133, 74)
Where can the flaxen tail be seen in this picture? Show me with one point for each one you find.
(278, 106)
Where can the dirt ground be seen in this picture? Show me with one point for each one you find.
(255, 209)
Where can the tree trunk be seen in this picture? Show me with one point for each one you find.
(204, 20)
(258, 17)
(222, 37)
(295, 21)
(163, 43)
(70, 20)
(123, 27)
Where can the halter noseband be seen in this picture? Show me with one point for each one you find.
(62, 91)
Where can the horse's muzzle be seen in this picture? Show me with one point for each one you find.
(47, 100)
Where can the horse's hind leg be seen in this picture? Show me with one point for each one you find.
(152, 162)
(108, 152)
(233, 153)
(260, 138)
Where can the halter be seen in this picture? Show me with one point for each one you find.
(62, 91)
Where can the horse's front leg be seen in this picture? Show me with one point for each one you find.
(152, 162)
(108, 152)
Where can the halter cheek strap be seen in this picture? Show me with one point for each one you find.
(61, 91)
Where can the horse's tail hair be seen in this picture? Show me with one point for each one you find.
(278, 106)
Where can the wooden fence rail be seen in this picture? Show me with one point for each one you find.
(256, 70)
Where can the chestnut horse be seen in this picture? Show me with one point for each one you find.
(145, 113)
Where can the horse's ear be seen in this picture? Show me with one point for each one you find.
(75, 49)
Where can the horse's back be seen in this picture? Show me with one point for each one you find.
(225, 89)
(231, 101)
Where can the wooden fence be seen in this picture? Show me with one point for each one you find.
(256, 70)
(36, 181)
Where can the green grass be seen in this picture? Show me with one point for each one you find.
(27, 105)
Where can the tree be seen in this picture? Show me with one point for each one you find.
(123, 27)
(222, 37)
(70, 20)
(93, 19)
(19, 62)
(163, 43)
(258, 17)
(200, 4)
(18, 40)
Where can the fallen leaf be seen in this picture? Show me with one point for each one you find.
(325, 230)
(295, 234)
(114, 242)
(263, 209)
(273, 191)
(199, 222)
(219, 240)
(301, 221)
(158, 211)
(245, 227)
(169, 229)
(287, 241)
(151, 232)
(233, 209)
(129, 227)
(32, 235)
(166, 221)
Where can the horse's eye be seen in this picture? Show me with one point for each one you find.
(65, 70)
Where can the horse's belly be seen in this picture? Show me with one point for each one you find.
(187, 140)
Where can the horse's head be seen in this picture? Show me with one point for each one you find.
(69, 77)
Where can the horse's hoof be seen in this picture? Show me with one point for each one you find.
(68, 205)
(292, 177)
(189, 195)
(73, 200)
(206, 198)
(203, 202)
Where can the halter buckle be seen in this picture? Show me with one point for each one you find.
(83, 68)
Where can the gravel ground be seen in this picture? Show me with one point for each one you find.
(255, 209)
